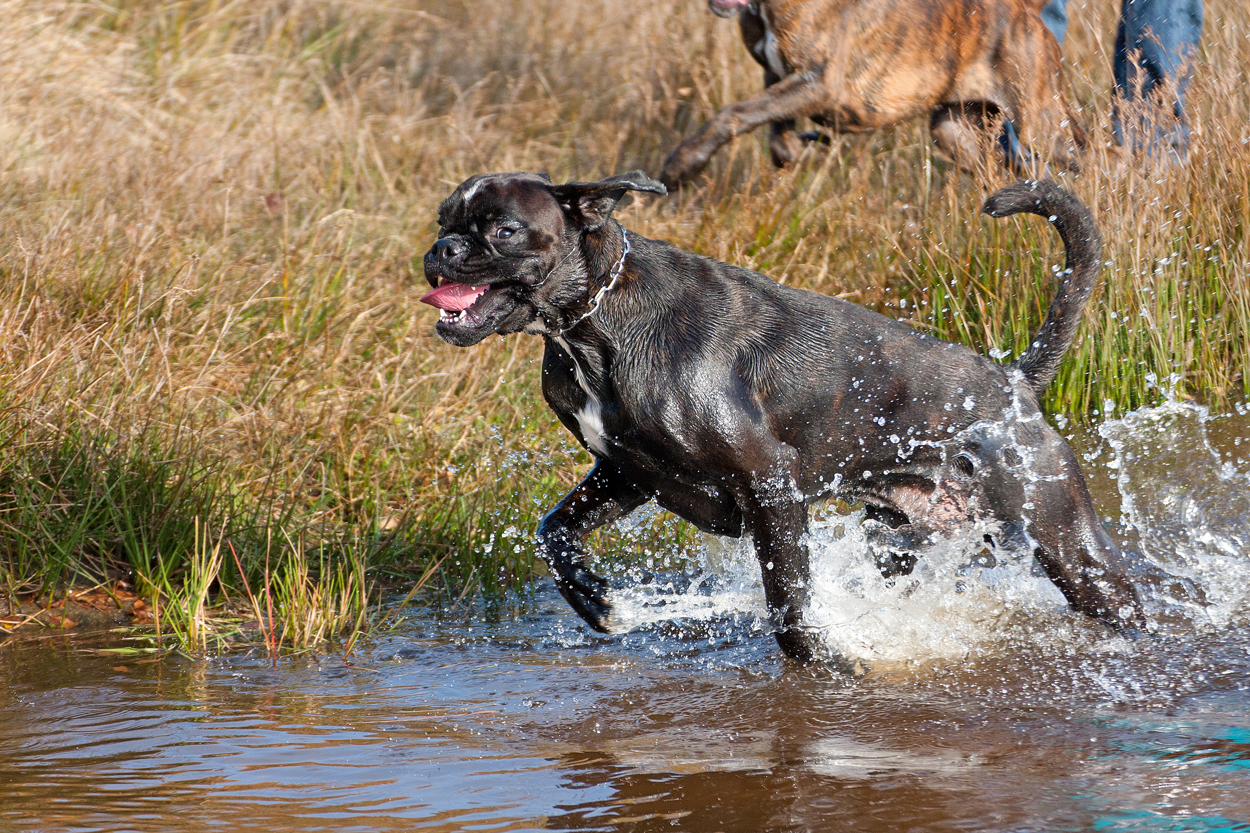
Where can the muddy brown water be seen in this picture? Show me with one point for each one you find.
(982, 703)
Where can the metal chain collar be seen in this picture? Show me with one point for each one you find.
(613, 276)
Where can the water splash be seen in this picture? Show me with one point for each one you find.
(1187, 510)
(952, 603)
(1185, 526)
(960, 596)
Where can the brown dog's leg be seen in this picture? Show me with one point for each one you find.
(959, 131)
(784, 145)
(966, 133)
(1030, 64)
(792, 96)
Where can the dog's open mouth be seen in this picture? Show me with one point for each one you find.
(456, 300)
(470, 313)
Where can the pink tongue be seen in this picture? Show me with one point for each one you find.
(453, 296)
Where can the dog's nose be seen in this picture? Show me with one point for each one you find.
(446, 248)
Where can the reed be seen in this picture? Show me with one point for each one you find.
(216, 381)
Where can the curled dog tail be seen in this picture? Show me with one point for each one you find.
(1080, 238)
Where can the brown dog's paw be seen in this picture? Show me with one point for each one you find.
(684, 163)
(671, 175)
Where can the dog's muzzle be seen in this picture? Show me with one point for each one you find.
(444, 251)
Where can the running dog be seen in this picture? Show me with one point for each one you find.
(984, 71)
(734, 402)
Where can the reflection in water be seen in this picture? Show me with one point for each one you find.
(984, 705)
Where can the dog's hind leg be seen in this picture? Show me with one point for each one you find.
(958, 135)
(963, 134)
(603, 497)
(1030, 67)
(1070, 543)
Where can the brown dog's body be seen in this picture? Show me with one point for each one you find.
(980, 69)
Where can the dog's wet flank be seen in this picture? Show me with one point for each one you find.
(734, 402)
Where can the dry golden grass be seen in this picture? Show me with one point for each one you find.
(212, 216)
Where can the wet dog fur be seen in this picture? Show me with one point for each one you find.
(734, 402)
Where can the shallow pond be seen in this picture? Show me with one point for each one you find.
(979, 702)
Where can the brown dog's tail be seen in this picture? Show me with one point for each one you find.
(1080, 237)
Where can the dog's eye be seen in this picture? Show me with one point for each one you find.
(503, 232)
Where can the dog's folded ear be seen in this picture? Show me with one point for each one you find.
(591, 203)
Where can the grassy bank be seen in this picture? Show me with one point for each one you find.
(216, 382)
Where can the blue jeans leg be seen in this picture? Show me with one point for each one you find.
(1155, 47)
(1055, 16)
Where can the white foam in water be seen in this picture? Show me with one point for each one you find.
(958, 598)
(1186, 509)
(952, 602)
(728, 583)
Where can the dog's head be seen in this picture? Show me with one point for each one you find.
(509, 251)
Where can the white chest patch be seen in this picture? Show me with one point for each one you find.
(590, 417)
(590, 420)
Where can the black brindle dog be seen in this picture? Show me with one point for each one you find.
(734, 402)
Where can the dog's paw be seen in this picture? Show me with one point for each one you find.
(587, 594)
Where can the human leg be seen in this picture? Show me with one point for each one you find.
(1055, 16)
(1156, 45)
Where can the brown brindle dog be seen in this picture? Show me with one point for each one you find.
(983, 70)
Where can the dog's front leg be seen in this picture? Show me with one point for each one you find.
(779, 527)
(603, 497)
(784, 144)
(795, 95)
(774, 511)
